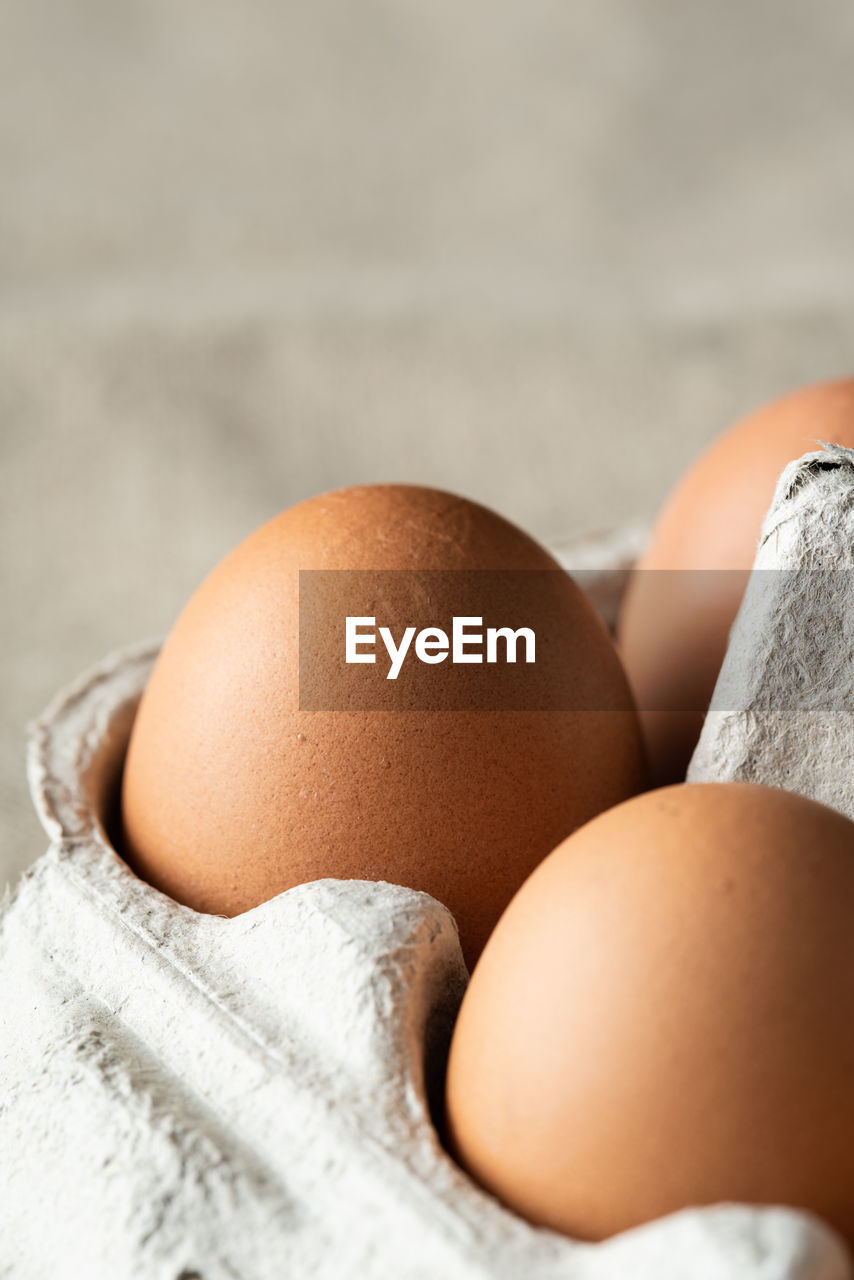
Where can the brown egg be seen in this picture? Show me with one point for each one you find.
(664, 1017)
(232, 793)
(674, 625)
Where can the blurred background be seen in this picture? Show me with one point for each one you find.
(538, 253)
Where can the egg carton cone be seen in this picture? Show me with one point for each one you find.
(601, 563)
(782, 709)
(190, 1097)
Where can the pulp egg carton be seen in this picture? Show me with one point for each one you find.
(190, 1097)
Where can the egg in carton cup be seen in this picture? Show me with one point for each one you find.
(188, 1095)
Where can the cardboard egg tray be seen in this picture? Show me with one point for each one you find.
(189, 1097)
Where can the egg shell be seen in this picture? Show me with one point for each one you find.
(664, 1017)
(233, 794)
(684, 595)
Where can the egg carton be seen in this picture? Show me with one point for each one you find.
(191, 1097)
(781, 710)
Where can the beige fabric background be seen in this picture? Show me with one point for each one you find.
(535, 252)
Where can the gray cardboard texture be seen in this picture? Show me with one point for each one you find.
(781, 710)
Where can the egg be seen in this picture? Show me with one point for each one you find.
(688, 584)
(246, 774)
(664, 1017)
